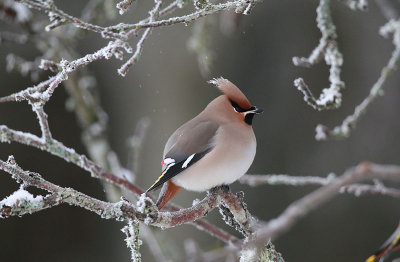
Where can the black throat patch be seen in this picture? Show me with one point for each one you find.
(249, 118)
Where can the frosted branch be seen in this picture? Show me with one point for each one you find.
(255, 180)
(349, 123)
(185, 19)
(234, 212)
(56, 148)
(131, 230)
(328, 49)
(144, 210)
(124, 5)
(300, 208)
(287, 180)
(139, 46)
(377, 188)
(356, 4)
(58, 17)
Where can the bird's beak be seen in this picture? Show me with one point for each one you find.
(257, 110)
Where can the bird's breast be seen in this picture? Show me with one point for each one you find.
(230, 159)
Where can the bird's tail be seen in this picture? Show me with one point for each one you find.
(168, 191)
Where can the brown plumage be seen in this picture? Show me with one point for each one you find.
(232, 92)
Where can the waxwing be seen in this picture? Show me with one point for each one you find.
(214, 148)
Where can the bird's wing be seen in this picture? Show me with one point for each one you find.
(187, 145)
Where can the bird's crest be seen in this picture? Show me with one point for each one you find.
(231, 91)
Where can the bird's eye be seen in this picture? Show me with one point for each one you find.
(237, 108)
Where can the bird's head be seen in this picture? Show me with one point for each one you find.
(235, 101)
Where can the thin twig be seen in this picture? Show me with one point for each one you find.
(186, 19)
(139, 46)
(377, 188)
(124, 5)
(349, 123)
(356, 189)
(255, 180)
(305, 205)
(59, 17)
(328, 49)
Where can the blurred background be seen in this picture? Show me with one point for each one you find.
(167, 86)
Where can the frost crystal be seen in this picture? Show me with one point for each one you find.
(144, 204)
(20, 194)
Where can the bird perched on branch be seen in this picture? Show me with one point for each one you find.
(215, 148)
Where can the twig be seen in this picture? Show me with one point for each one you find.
(356, 189)
(210, 9)
(377, 188)
(124, 5)
(235, 213)
(303, 206)
(59, 17)
(327, 49)
(356, 4)
(255, 180)
(131, 230)
(43, 122)
(139, 46)
(349, 123)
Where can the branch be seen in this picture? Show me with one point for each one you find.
(124, 5)
(356, 189)
(300, 208)
(328, 49)
(377, 188)
(58, 17)
(356, 4)
(139, 46)
(349, 123)
(131, 230)
(145, 210)
(180, 216)
(207, 10)
(255, 180)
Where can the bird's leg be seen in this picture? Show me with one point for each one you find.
(224, 188)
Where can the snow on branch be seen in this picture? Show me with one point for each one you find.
(349, 123)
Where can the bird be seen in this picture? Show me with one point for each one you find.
(215, 148)
(391, 244)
